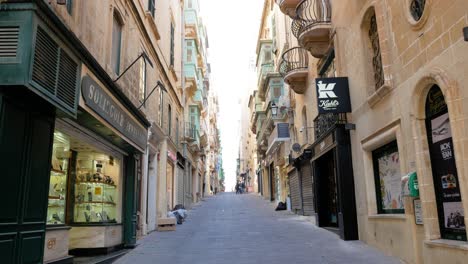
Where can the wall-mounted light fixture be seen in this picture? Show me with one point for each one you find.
(465, 33)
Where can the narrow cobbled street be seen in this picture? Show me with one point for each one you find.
(245, 229)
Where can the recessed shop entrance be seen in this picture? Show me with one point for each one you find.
(327, 196)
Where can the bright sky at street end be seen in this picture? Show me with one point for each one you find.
(232, 28)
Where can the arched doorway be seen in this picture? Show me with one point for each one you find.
(444, 170)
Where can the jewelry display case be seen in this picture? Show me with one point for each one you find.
(58, 180)
(96, 189)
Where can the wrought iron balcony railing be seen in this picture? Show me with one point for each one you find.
(324, 123)
(191, 132)
(294, 68)
(312, 25)
(314, 11)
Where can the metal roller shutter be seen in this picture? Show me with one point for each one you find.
(295, 190)
(307, 189)
(180, 185)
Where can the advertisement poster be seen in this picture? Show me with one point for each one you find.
(454, 217)
(446, 184)
(440, 128)
(390, 181)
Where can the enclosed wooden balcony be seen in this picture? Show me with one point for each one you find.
(312, 26)
(288, 7)
(294, 69)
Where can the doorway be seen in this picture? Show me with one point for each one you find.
(271, 172)
(327, 195)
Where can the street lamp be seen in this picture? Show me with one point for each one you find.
(274, 109)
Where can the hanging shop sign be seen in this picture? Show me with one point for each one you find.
(333, 95)
(96, 98)
(172, 155)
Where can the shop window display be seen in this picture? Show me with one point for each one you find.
(84, 183)
(58, 179)
(96, 188)
(388, 179)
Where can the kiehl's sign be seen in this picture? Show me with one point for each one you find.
(106, 107)
(333, 95)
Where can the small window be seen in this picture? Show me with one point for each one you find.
(417, 9)
(189, 55)
(169, 120)
(177, 130)
(386, 161)
(151, 7)
(376, 56)
(116, 44)
(142, 81)
(172, 44)
(161, 107)
(69, 6)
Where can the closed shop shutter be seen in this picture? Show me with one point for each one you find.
(295, 190)
(307, 189)
(188, 187)
(180, 185)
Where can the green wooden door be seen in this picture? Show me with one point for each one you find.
(26, 131)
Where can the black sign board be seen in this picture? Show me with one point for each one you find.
(96, 98)
(333, 95)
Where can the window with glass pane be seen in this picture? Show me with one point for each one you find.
(142, 81)
(58, 179)
(69, 6)
(169, 120)
(376, 56)
(172, 45)
(151, 7)
(116, 44)
(161, 105)
(96, 187)
(387, 175)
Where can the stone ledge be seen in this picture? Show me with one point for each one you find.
(378, 95)
(445, 243)
(388, 216)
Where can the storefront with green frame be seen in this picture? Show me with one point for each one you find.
(45, 123)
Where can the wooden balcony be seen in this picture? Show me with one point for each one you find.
(312, 26)
(288, 7)
(294, 69)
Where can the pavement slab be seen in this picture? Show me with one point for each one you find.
(245, 229)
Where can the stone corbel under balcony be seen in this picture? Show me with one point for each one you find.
(288, 7)
(190, 86)
(312, 27)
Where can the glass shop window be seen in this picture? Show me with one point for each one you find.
(58, 179)
(387, 174)
(96, 188)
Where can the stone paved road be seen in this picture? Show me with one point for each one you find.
(244, 229)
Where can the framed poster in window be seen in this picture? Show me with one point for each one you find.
(387, 175)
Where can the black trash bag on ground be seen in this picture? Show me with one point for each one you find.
(281, 206)
(178, 217)
(178, 206)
